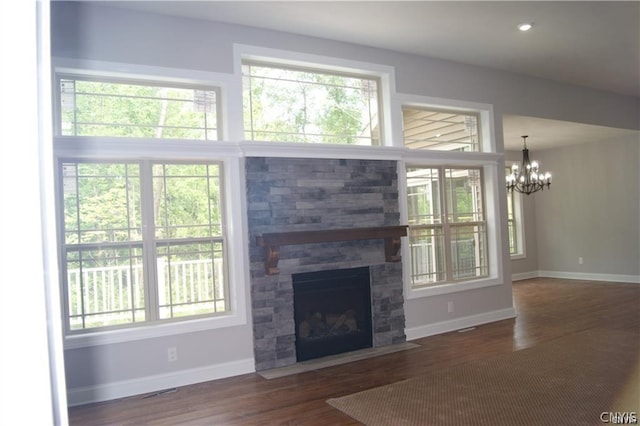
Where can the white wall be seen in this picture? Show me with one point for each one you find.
(109, 34)
(31, 375)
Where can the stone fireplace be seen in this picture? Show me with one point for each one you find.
(290, 195)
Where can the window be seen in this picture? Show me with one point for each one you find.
(511, 223)
(309, 106)
(114, 108)
(515, 222)
(448, 234)
(117, 272)
(143, 237)
(447, 224)
(440, 129)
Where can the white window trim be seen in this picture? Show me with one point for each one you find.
(230, 85)
(484, 111)
(492, 182)
(236, 225)
(236, 262)
(385, 73)
(227, 153)
(487, 159)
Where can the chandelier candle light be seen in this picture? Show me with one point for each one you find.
(529, 178)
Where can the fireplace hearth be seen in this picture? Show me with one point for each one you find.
(332, 312)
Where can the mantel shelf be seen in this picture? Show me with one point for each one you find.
(272, 241)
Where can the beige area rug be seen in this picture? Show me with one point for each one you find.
(567, 381)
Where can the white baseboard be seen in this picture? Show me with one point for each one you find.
(149, 384)
(617, 278)
(458, 323)
(524, 276)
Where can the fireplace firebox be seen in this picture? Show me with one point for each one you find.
(332, 312)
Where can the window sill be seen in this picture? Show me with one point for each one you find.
(150, 331)
(518, 256)
(447, 288)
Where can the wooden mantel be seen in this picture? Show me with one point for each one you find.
(272, 241)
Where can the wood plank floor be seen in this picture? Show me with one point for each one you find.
(546, 308)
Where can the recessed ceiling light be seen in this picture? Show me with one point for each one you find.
(526, 26)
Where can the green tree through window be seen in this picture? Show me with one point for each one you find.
(144, 238)
(100, 108)
(293, 105)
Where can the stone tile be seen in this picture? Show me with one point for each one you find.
(314, 194)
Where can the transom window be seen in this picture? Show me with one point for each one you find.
(126, 109)
(303, 105)
(447, 224)
(440, 129)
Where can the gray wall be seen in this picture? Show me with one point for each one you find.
(592, 211)
(109, 34)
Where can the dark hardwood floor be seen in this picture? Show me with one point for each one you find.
(547, 309)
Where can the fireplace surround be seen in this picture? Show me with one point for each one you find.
(286, 195)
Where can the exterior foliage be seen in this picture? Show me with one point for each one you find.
(290, 105)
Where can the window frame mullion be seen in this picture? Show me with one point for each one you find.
(446, 228)
(149, 252)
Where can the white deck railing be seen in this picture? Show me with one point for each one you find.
(113, 289)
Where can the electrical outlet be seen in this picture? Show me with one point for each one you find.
(450, 307)
(580, 260)
(172, 354)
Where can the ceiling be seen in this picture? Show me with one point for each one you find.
(592, 43)
(545, 133)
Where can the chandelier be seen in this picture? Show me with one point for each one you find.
(529, 178)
